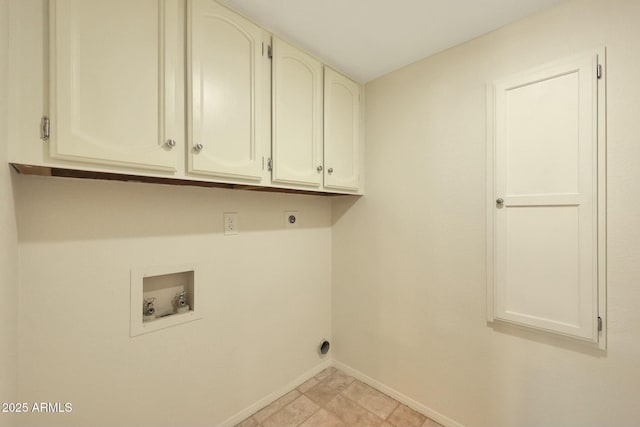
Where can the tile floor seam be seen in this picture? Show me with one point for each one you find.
(341, 393)
(363, 408)
(392, 411)
(356, 404)
(397, 405)
(314, 412)
(334, 384)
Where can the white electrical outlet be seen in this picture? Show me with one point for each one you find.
(291, 219)
(230, 223)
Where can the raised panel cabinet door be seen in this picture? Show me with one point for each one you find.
(341, 131)
(544, 199)
(225, 79)
(297, 116)
(113, 82)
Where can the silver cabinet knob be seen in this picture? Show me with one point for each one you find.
(500, 201)
(170, 143)
(198, 147)
(330, 170)
(319, 168)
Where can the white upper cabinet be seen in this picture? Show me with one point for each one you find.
(113, 81)
(225, 77)
(296, 116)
(180, 89)
(547, 203)
(341, 132)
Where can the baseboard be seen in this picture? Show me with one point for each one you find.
(417, 406)
(271, 397)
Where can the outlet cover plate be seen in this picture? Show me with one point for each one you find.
(230, 223)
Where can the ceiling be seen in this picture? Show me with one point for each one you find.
(369, 38)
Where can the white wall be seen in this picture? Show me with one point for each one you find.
(409, 257)
(265, 295)
(8, 243)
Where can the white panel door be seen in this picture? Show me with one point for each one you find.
(225, 61)
(545, 199)
(297, 116)
(341, 131)
(113, 82)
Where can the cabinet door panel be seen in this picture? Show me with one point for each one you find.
(341, 131)
(225, 56)
(297, 116)
(113, 82)
(545, 199)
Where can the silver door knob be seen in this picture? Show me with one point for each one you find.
(198, 147)
(171, 143)
(319, 168)
(330, 170)
(500, 201)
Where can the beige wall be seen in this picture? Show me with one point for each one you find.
(8, 243)
(265, 296)
(409, 257)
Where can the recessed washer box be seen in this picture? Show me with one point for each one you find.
(162, 285)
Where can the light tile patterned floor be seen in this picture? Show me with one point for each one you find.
(334, 399)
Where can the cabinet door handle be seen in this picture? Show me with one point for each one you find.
(198, 147)
(330, 170)
(171, 143)
(500, 201)
(319, 168)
